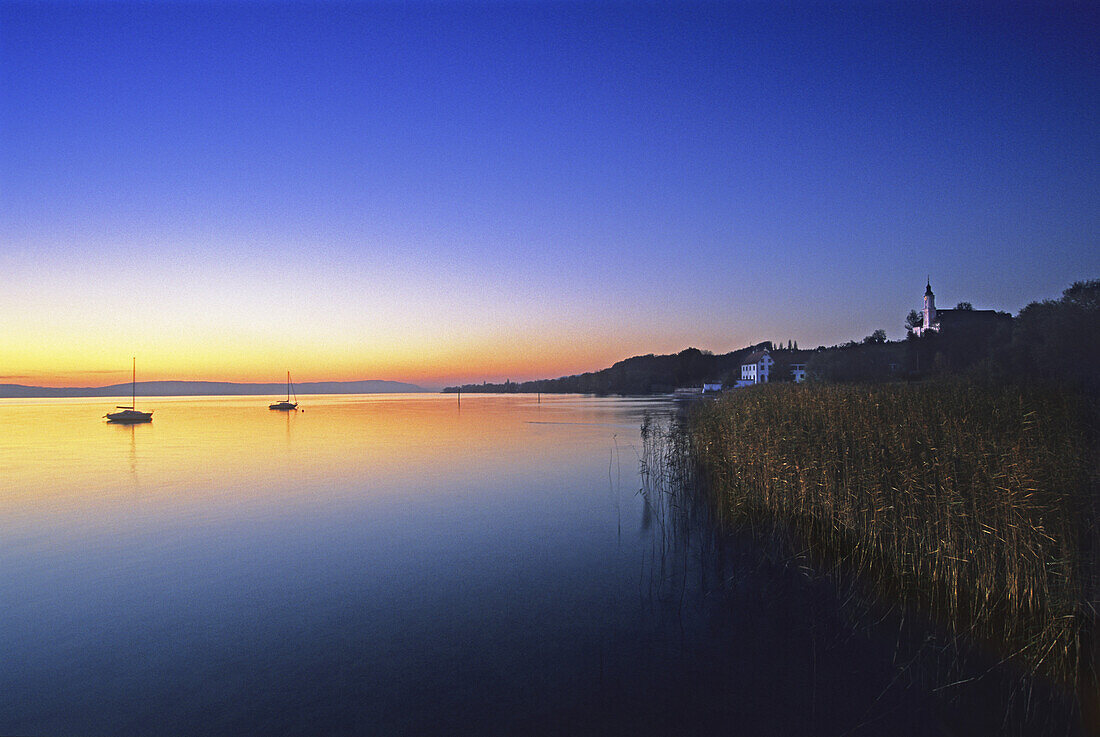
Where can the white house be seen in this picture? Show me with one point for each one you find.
(798, 371)
(755, 368)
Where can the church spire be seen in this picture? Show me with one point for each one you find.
(929, 309)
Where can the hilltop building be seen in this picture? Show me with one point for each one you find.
(931, 324)
(962, 318)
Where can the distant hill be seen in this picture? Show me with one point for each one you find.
(204, 388)
(649, 374)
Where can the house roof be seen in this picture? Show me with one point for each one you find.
(754, 357)
(970, 318)
(979, 314)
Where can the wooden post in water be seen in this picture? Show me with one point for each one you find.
(540, 397)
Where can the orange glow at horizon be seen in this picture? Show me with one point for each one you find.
(247, 321)
(435, 366)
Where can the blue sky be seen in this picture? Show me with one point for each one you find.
(444, 191)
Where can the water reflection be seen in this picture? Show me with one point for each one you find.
(131, 430)
(872, 659)
(398, 564)
(389, 544)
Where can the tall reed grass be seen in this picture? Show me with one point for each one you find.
(977, 502)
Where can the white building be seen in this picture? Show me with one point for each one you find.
(755, 368)
(798, 371)
(711, 388)
(964, 318)
(931, 324)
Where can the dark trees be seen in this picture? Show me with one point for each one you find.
(913, 320)
(1061, 338)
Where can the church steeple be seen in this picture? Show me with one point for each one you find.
(929, 307)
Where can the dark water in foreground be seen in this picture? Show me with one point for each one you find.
(398, 564)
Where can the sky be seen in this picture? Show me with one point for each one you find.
(446, 192)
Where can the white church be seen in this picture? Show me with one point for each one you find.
(964, 318)
(931, 322)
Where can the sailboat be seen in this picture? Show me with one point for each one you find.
(287, 404)
(129, 414)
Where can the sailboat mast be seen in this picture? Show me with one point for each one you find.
(133, 386)
(288, 386)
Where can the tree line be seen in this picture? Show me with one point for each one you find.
(1055, 339)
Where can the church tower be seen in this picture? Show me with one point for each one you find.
(929, 307)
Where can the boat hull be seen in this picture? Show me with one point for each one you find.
(283, 405)
(129, 417)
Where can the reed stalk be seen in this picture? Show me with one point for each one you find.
(977, 502)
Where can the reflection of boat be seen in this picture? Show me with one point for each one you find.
(129, 414)
(287, 404)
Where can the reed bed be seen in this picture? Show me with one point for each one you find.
(975, 501)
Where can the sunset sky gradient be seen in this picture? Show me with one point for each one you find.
(443, 192)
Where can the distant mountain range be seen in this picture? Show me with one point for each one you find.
(203, 388)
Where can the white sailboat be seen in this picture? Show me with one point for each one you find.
(129, 414)
(287, 404)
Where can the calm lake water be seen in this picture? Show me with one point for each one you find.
(398, 564)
